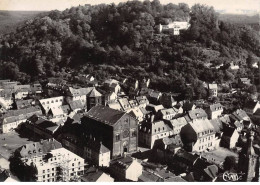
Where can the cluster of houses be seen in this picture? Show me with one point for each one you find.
(103, 127)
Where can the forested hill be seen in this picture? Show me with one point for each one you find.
(123, 39)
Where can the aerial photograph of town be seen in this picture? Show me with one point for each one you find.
(129, 91)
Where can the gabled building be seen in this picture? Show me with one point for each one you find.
(47, 103)
(93, 174)
(115, 105)
(138, 114)
(96, 153)
(177, 124)
(154, 97)
(117, 130)
(167, 100)
(124, 104)
(126, 169)
(142, 101)
(196, 114)
(213, 90)
(53, 163)
(214, 111)
(149, 132)
(198, 135)
(13, 118)
(166, 114)
(154, 108)
(229, 138)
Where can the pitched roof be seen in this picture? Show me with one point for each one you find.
(240, 115)
(92, 174)
(217, 124)
(175, 179)
(197, 113)
(212, 171)
(122, 163)
(133, 103)
(168, 111)
(23, 103)
(154, 108)
(104, 114)
(142, 99)
(213, 86)
(77, 104)
(201, 125)
(96, 146)
(215, 107)
(38, 148)
(81, 91)
(94, 93)
(178, 122)
(114, 105)
(148, 177)
(155, 127)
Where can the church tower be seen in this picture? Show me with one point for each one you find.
(248, 160)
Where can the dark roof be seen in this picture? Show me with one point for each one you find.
(228, 131)
(92, 174)
(211, 171)
(185, 157)
(105, 114)
(148, 177)
(175, 179)
(251, 104)
(23, 103)
(38, 148)
(122, 163)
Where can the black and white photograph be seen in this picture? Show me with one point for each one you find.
(129, 91)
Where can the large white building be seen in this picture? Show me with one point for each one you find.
(174, 27)
(52, 161)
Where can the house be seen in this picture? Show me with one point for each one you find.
(218, 126)
(133, 104)
(165, 148)
(166, 114)
(214, 111)
(13, 118)
(229, 138)
(95, 152)
(154, 97)
(94, 98)
(78, 94)
(115, 87)
(93, 174)
(126, 169)
(213, 90)
(251, 107)
(142, 101)
(110, 97)
(234, 66)
(187, 106)
(21, 93)
(115, 105)
(167, 100)
(196, 114)
(47, 103)
(59, 113)
(124, 104)
(174, 27)
(177, 124)
(6, 99)
(117, 130)
(198, 135)
(238, 118)
(76, 105)
(36, 88)
(138, 114)
(42, 127)
(21, 104)
(154, 108)
(244, 81)
(50, 159)
(149, 132)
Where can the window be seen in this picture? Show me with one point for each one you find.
(48, 170)
(48, 175)
(43, 176)
(73, 169)
(72, 164)
(43, 171)
(52, 169)
(117, 137)
(134, 133)
(154, 130)
(52, 174)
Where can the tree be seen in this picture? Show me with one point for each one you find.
(230, 163)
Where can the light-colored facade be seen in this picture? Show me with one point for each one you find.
(214, 111)
(48, 103)
(62, 164)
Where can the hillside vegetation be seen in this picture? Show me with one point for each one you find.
(10, 20)
(123, 39)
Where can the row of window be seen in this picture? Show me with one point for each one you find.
(208, 145)
(159, 129)
(206, 138)
(132, 135)
(205, 132)
(43, 103)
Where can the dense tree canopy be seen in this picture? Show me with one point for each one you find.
(125, 37)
